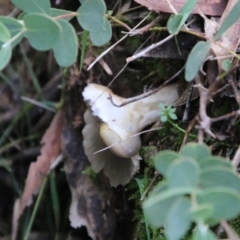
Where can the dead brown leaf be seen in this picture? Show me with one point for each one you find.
(38, 170)
(213, 7)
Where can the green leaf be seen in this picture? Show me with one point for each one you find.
(226, 203)
(163, 118)
(91, 15)
(183, 172)
(42, 31)
(203, 233)
(226, 65)
(176, 22)
(219, 177)
(13, 25)
(103, 36)
(156, 212)
(66, 48)
(195, 59)
(202, 212)
(33, 6)
(55, 12)
(4, 33)
(188, 6)
(196, 151)
(214, 161)
(168, 193)
(178, 219)
(230, 19)
(163, 160)
(5, 55)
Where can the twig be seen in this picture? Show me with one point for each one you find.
(150, 186)
(235, 90)
(236, 158)
(229, 231)
(118, 21)
(220, 89)
(228, 115)
(148, 49)
(143, 29)
(39, 104)
(189, 128)
(188, 103)
(67, 15)
(204, 120)
(137, 134)
(116, 43)
(142, 96)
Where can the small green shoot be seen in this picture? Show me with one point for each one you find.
(167, 112)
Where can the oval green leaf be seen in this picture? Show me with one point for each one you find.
(196, 151)
(202, 212)
(103, 36)
(178, 219)
(215, 161)
(163, 160)
(13, 25)
(33, 6)
(220, 199)
(219, 177)
(66, 48)
(183, 172)
(195, 59)
(4, 33)
(42, 31)
(156, 212)
(91, 15)
(174, 23)
(226, 65)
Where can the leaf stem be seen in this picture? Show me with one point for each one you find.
(67, 15)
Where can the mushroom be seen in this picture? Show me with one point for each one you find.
(113, 126)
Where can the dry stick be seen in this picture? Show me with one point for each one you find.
(142, 96)
(228, 115)
(205, 120)
(123, 68)
(151, 47)
(187, 107)
(189, 128)
(229, 231)
(143, 29)
(118, 21)
(149, 186)
(137, 134)
(220, 89)
(116, 43)
(236, 158)
(126, 64)
(235, 91)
